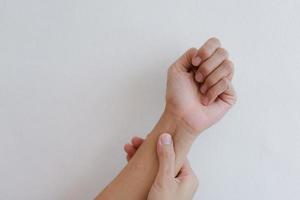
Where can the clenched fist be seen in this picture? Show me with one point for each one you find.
(199, 89)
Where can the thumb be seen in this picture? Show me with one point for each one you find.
(166, 157)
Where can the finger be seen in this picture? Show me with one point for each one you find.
(136, 142)
(207, 49)
(229, 96)
(184, 62)
(210, 64)
(224, 70)
(215, 91)
(186, 169)
(166, 157)
(129, 149)
(187, 177)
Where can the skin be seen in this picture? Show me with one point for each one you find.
(166, 186)
(188, 112)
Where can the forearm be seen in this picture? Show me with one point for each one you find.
(201, 105)
(135, 180)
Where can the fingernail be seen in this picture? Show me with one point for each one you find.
(199, 77)
(205, 101)
(196, 61)
(166, 139)
(203, 89)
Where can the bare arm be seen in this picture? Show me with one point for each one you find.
(136, 178)
(188, 112)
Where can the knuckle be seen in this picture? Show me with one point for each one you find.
(215, 41)
(204, 69)
(211, 93)
(230, 76)
(209, 82)
(229, 65)
(190, 53)
(205, 52)
(222, 52)
(225, 83)
(191, 50)
(225, 80)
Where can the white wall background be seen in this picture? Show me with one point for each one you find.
(79, 78)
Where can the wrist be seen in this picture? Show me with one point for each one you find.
(183, 137)
(174, 124)
(185, 121)
(165, 124)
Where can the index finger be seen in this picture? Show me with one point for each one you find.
(207, 50)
